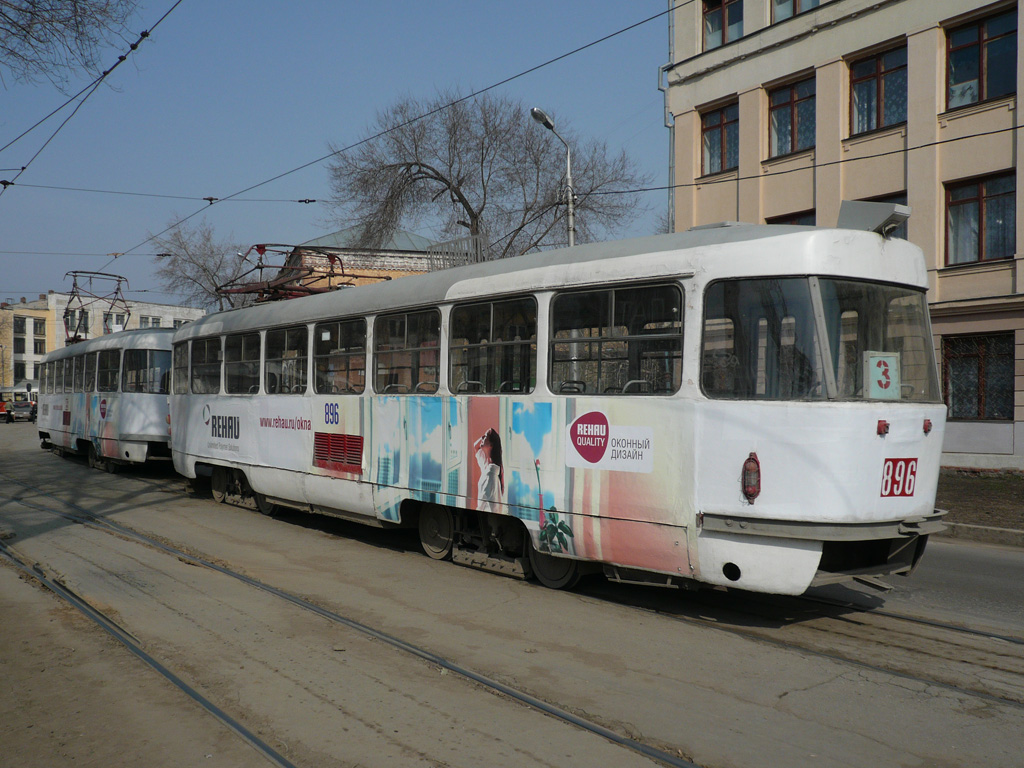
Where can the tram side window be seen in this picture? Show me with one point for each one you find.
(621, 341)
(146, 371)
(760, 341)
(493, 347)
(206, 357)
(90, 372)
(242, 363)
(79, 372)
(58, 376)
(340, 357)
(407, 352)
(181, 368)
(107, 369)
(286, 361)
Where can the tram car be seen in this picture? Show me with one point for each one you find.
(107, 398)
(745, 406)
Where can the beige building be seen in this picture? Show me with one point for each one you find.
(781, 109)
(30, 329)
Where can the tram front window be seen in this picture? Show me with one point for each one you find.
(761, 341)
(880, 340)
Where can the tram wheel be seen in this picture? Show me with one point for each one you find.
(437, 531)
(554, 572)
(264, 506)
(219, 484)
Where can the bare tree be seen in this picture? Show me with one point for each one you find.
(192, 263)
(53, 38)
(479, 167)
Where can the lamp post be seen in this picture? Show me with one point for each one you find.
(542, 117)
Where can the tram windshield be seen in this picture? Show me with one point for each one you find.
(798, 338)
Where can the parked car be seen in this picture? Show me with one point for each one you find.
(20, 410)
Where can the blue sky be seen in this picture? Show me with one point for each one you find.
(228, 93)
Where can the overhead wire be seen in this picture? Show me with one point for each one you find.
(88, 91)
(407, 123)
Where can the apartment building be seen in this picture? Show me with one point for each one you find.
(30, 329)
(781, 109)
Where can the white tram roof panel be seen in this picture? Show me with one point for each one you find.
(711, 252)
(142, 338)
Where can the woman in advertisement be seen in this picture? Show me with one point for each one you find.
(491, 486)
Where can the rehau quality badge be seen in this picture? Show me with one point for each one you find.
(594, 443)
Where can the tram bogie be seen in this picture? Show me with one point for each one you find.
(751, 407)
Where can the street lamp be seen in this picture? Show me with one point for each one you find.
(542, 117)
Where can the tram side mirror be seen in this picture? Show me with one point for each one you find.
(882, 218)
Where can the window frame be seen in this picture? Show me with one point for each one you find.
(709, 7)
(608, 335)
(251, 380)
(300, 369)
(982, 42)
(724, 126)
(798, 8)
(983, 200)
(325, 385)
(201, 373)
(878, 77)
(416, 354)
(792, 106)
(180, 353)
(523, 350)
(983, 361)
(104, 367)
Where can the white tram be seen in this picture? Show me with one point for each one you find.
(108, 398)
(747, 406)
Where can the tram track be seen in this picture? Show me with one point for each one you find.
(82, 516)
(963, 660)
(854, 636)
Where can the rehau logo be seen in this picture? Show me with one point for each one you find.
(222, 426)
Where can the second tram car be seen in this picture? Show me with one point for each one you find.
(740, 405)
(108, 398)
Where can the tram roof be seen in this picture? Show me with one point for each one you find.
(141, 338)
(678, 254)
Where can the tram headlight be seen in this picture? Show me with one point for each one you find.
(751, 478)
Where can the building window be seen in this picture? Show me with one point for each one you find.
(899, 199)
(982, 60)
(149, 322)
(720, 139)
(723, 22)
(785, 9)
(19, 372)
(76, 323)
(113, 322)
(19, 345)
(980, 220)
(179, 323)
(39, 327)
(39, 346)
(977, 373)
(791, 118)
(803, 219)
(19, 325)
(878, 91)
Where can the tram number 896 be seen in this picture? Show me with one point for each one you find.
(899, 477)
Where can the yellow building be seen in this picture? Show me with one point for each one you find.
(781, 109)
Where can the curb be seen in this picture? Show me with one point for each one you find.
(980, 533)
